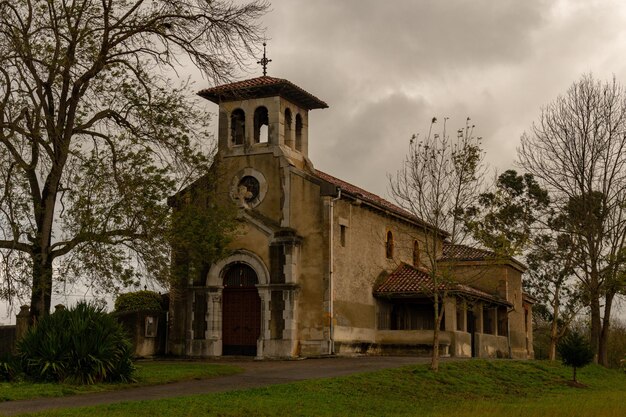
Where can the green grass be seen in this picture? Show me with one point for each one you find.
(467, 389)
(148, 373)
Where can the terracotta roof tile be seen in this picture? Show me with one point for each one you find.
(364, 195)
(408, 280)
(264, 86)
(466, 253)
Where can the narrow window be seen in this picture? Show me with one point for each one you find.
(416, 253)
(287, 131)
(342, 235)
(261, 123)
(237, 126)
(389, 245)
(298, 132)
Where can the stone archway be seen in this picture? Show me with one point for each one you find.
(241, 310)
(215, 284)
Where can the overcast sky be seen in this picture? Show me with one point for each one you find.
(385, 68)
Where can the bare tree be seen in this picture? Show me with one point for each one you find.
(93, 135)
(577, 150)
(438, 181)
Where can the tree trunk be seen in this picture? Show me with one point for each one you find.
(41, 293)
(595, 324)
(434, 364)
(554, 328)
(603, 357)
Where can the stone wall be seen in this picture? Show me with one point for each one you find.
(146, 330)
(7, 339)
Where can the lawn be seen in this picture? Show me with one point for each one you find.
(467, 389)
(148, 373)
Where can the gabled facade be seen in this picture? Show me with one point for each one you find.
(315, 267)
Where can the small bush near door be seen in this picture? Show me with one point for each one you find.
(83, 345)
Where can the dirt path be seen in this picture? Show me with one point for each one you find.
(256, 374)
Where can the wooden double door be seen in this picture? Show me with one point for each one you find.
(241, 311)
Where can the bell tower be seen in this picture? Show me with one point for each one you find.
(264, 115)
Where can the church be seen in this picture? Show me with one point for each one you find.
(322, 267)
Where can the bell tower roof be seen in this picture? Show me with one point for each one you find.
(262, 87)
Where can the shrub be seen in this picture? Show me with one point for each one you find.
(81, 345)
(9, 368)
(575, 351)
(138, 301)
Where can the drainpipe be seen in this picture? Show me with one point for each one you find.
(331, 289)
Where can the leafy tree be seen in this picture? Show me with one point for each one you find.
(549, 279)
(94, 136)
(504, 218)
(575, 351)
(440, 177)
(577, 151)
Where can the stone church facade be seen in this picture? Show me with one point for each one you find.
(320, 266)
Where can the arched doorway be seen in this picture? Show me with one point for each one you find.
(241, 311)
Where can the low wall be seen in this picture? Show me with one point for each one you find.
(146, 330)
(393, 342)
(490, 346)
(7, 339)
(462, 346)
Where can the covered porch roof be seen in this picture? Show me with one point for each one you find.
(408, 281)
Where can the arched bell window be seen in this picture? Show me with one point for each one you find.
(298, 132)
(287, 130)
(237, 126)
(261, 125)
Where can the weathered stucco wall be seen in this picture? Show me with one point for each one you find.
(503, 280)
(360, 259)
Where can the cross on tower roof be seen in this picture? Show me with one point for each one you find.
(264, 61)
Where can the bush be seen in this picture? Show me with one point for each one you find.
(139, 301)
(80, 345)
(575, 351)
(9, 368)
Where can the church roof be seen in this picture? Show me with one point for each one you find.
(371, 198)
(466, 253)
(408, 280)
(264, 86)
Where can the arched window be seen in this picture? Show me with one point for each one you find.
(261, 124)
(389, 245)
(416, 253)
(298, 132)
(237, 126)
(287, 131)
(240, 275)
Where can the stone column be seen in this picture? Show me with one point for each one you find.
(478, 315)
(22, 322)
(463, 308)
(214, 311)
(449, 308)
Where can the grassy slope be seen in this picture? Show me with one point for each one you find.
(467, 388)
(148, 373)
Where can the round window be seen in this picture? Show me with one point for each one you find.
(252, 188)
